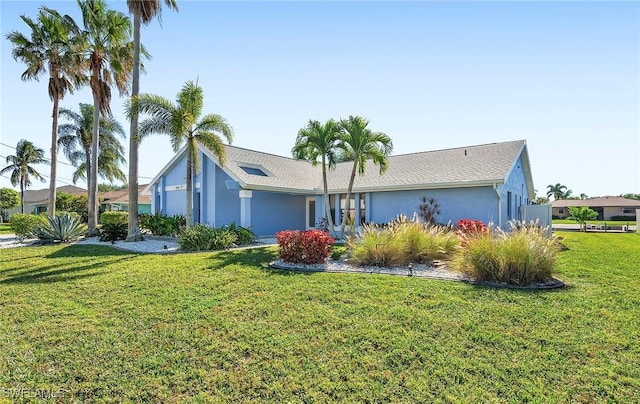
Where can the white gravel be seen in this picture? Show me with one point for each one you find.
(419, 270)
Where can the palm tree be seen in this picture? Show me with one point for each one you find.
(182, 122)
(557, 191)
(21, 168)
(362, 144)
(109, 55)
(317, 143)
(143, 12)
(52, 45)
(75, 138)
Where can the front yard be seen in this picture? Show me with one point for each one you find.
(95, 323)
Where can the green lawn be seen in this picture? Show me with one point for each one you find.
(107, 325)
(612, 222)
(5, 228)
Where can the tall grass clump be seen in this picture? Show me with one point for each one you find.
(522, 256)
(402, 242)
(204, 238)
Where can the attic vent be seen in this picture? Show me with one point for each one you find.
(465, 152)
(254, 171)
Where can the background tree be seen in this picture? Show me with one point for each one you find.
(318, 143)
(109, 57)
(361, 143)
(53, 45)
(76, 136)
(143, 12)
(182, 122)
(557, 191)
(541, 200)
(581, 215)
(9, 199)
(73, 203)
(21, 167)
(631, 196)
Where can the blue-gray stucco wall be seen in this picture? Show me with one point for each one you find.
(272, 212)
(226, 200)
(455, 203)
(517, 185)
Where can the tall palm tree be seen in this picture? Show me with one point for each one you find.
(318, 143)
(75, 139)
(109, 55)
(20, 165)
(143, 12)
(362, 144)
(557, 191)
(53, 46)
(182, 122)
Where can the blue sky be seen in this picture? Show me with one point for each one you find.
(565, 76)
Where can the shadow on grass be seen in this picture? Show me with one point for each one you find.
(64, 272)
(89, 250)
(255, 257)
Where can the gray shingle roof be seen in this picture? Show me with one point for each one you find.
(610, 201)
(456, 167)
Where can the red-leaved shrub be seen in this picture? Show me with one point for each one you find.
(470, 228)
(304, 247)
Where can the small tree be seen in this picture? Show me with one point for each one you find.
(582, 214)
(429, 209)
(9, 198)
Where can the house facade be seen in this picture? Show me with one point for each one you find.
(270, 193)
(607, 207)
(37, 200)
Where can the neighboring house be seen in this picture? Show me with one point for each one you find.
(119, 200)
(37, 200)
(606, 206)
(269, 193)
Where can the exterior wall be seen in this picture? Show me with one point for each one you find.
(272, 212)
(456, 203)
(560, 212)
(225, 200)
(610, 211)
(515, 184)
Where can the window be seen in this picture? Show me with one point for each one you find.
(509, 205)
(254, 171)
(628, 210)
(363, 216)
(352, 208)
(560, 210)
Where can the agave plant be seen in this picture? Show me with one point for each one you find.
(63, 228)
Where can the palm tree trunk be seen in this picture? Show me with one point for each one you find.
(347, 204)
(21, 196)
(93, 183)
(54, 159)
(189, 189)
(330, 223)
(133, 232)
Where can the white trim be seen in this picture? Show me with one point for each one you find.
(245, 193)
(180, 187)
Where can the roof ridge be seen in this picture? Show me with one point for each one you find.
(458, 148)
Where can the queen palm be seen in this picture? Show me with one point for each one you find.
(75, 139)
(20, 166)
(52, 45)
(109, 57)
(362, 144)
(182, 121)
(317, 143)
(143, 12)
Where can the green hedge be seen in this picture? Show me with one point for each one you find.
(112, 217)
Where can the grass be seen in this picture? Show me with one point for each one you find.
(612, 222)
(5, 228)
(112, 326)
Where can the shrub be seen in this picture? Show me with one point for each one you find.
(623, 218)
(160, 224)
(522, 256)
(61, 228)
(304, 247)
(114, 217)
(25, 225)
(113, 231)
(243, 234)
(581, 214)
(471, 226)
(203, 238)
(402, 242)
